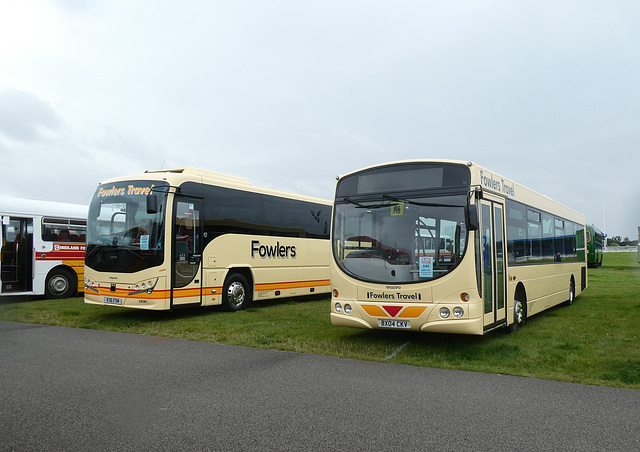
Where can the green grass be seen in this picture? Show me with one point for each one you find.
(596, 341)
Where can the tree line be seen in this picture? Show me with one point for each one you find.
(616, 240)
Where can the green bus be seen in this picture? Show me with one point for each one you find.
(595, 245)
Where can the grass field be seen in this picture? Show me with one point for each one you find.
(596, 341)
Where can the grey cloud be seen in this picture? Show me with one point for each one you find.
(24, 116)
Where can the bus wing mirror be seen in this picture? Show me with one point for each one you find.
(152, 203)
(472, 218)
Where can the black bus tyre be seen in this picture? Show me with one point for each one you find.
(572, 293)
(236, 294)
(60, 284)
(518, 316)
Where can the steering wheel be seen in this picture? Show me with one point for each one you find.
(134, 233)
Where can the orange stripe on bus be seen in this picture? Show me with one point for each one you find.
(411, 312)
(61, 255)
(292, 285)
(205, 291)
(374, 311)
(124, 293)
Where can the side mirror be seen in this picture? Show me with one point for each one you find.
(152, 203)
(472, 218)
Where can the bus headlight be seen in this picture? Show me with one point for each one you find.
(445, 313)
(458, 312)
(338, 307)
(347, 309)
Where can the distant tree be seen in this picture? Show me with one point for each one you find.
(614, 240)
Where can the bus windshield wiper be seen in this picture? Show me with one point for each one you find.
(350, 201)
(362, 206)
(422, 204)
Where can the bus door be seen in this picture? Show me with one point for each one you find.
(16, 255)
(186, 251)
(493, 265)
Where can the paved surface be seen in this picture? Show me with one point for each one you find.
(74, 389)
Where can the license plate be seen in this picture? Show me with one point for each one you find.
(394, 324)
(113, 300)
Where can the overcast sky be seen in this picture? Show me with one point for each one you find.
(290, 94)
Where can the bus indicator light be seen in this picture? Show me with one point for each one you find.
(465, 297)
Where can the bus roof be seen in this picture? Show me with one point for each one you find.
(177, 176)
(188, 170)
(593, 228)
(488, 181)
(10, 205)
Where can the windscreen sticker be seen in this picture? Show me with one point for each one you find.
(426, 267)
(144, 242)
(397, 209)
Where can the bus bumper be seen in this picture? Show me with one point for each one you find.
(353, 322)
(451, 326)
(458, 326)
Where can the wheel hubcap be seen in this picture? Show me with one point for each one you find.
(58, 285)
(518, 313)
(235, 294)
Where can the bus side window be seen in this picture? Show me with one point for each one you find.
(49, 236)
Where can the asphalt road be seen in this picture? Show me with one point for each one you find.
(74, 389)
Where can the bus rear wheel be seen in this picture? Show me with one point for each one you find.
(572, 293)
(236, 294)
(60, 284)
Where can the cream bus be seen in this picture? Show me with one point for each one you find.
(42, 249)
(449, 247)
(188, 237)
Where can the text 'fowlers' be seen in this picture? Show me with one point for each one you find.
(276, 251)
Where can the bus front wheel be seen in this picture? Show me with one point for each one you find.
(236, 295)
(60, 284)
(518, 315)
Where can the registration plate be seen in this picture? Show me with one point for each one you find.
(382, 323)
(113, 300)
